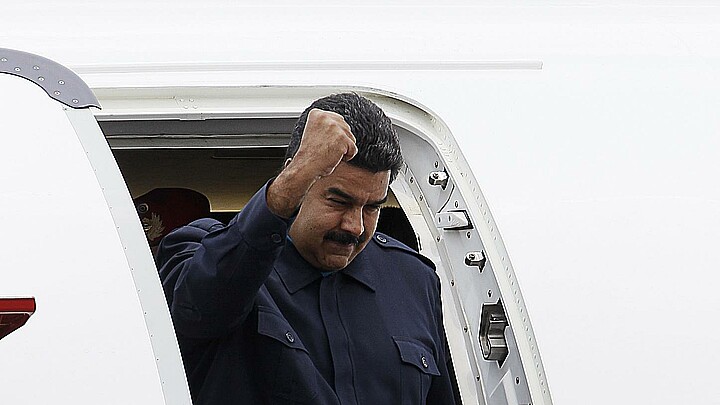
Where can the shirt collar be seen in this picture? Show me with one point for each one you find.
(296, 273)
(293, 270)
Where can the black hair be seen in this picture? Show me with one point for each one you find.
(376, 140)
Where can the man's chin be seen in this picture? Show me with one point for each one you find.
(335, 265)
(335, 262)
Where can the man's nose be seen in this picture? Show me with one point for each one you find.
(353, 222)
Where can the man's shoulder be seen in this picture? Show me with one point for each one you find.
(194, 231)
(387, 245)
(401, 268)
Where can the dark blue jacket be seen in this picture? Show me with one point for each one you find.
(258, 325)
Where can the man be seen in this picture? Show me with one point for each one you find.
(297, 300)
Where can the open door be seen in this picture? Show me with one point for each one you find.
(102, 332)
(225, 142)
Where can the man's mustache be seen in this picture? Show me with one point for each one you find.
(345, 238)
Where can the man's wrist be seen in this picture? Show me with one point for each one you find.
(287, 191)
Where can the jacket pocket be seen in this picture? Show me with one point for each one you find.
(419, 366)
(293, 377)
(273, 325)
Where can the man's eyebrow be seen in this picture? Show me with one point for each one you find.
(348, 197)
(340, 193)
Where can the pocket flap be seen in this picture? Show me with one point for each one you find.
(414, 352)
(274, 325)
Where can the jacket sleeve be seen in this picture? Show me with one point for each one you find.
(211, 273)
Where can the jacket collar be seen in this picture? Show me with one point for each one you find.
(360, 269)
(296, 273)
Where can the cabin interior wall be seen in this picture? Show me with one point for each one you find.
(227, 182)
(227, 176)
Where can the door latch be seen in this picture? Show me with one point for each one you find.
(492, 332)
(438, 179)
(452, 220)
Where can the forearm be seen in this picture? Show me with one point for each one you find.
(287, 191)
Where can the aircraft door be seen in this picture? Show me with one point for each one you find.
(101, 332)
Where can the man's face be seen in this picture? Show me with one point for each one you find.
(338, 216)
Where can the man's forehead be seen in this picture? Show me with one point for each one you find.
(356, 182)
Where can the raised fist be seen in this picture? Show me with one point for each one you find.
(326, 141)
